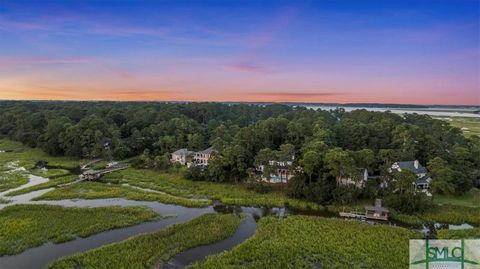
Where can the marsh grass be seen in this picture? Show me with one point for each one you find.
(472, 125)
(315, 242)
(459, 234)
(175, 184)
(10, 180)
(453, 215)
(51, 173)
(51, 183)
(471, 199)
(17, 164)
(144, 251)
(28, 157)
(96, 190)
(26, 226)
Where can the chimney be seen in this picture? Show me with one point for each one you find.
(378, 202)
(416, 164)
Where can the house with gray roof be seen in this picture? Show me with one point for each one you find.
(423, 180)
(201, 157)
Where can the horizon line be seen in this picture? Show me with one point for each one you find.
(230, 101)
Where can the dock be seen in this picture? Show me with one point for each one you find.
(354, 215)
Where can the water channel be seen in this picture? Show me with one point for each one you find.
(41, 256)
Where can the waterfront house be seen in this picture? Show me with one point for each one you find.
(423, 180)
(201, 158)
(281, 173)
(180, 156)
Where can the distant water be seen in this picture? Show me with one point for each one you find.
(437, 112)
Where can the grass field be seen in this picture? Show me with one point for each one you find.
(471, 126)
(26, 226)
(144, 251)
(232, 194)
(315, 242)
(96, 190)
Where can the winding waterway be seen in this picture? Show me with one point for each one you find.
(41, 256)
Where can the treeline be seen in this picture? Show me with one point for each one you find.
(326, 144)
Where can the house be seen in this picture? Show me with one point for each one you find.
(376, 212)
(423, 180)
(201, 157)
(282, 174)
(180, 156)
(359, 181)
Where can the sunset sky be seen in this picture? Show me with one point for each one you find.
(417, 52)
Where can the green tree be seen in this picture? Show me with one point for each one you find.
(442, 176)
(310, 162)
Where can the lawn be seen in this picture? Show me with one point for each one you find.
(315, 242)
(97, 190)
(231, 194)
(26, 226)
(147, 250)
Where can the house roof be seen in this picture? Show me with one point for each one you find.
(183, 152)
(410, 165)
(423, 180)
(206, 151)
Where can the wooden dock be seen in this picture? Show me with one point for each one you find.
(354, 215)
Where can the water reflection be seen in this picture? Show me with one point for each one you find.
(39, 257)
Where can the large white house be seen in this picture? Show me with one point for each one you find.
(423, 180)
(180, 156)
(201, 157)
(282, 173)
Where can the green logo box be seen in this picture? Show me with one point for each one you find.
(444, 254)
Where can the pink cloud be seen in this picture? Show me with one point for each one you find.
(247, 67)
(14, 62)
(297, 94)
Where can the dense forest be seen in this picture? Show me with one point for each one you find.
(326, 144)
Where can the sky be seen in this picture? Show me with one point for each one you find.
(405, 52)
